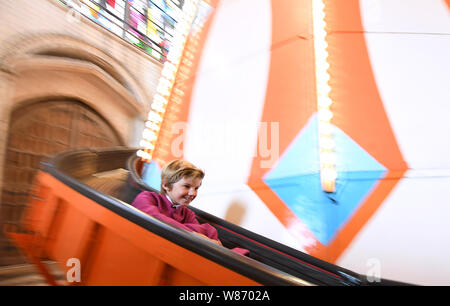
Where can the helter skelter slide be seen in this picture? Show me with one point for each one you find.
(336, 139)
(79, 212)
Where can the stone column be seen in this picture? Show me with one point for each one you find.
(7, 87)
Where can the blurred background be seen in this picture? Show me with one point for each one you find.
(77, 74)
(73, 74)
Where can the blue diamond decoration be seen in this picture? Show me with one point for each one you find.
(296, 180)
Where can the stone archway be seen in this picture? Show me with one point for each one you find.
(39, 130)
(98, 86)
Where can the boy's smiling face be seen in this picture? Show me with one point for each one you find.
(184, 191)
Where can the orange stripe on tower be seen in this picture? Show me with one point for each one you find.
(290, 97)
(358, 107)
(178, 110)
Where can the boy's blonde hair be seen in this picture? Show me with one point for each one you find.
(175, 170)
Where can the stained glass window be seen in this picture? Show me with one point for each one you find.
(148, 24)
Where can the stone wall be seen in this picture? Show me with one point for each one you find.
(48, 55)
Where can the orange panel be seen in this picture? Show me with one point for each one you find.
(113, 250)
(115, 261)
(70, 234)
(174, 277)
(42, 206)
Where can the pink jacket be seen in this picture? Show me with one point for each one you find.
(159, 206)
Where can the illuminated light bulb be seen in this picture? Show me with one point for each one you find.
(182, 26)
(320, 23)
(149, 135)
(178, 92)
(174, 53)
(322, 65)
(158, 106)
(154, 117)
(323, 76)
(160, 99)
(325, 115)
(320, 57)
(176, 100)
(179, 42)
(174, 57)
(325, 130)
(146, 134)
(168, 74)
(169, 68)
(163, 90)
(326, 143)
(329, 174)
(169, 71)
(144, 143)
(328, 158)
(189, 55)
(151, 125)
(191, 48)
(171, 118)
(322, 44)
(190, 15)
(161, 79)
(187, 62)
(149, 146)
(174, 109)
(323, 88)
(324, 101)
(167, 89)
(146, 157)
(183, 76)
(328, 177)
(185, 70)
(329, 185)
(318, 5)
(165, 82)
